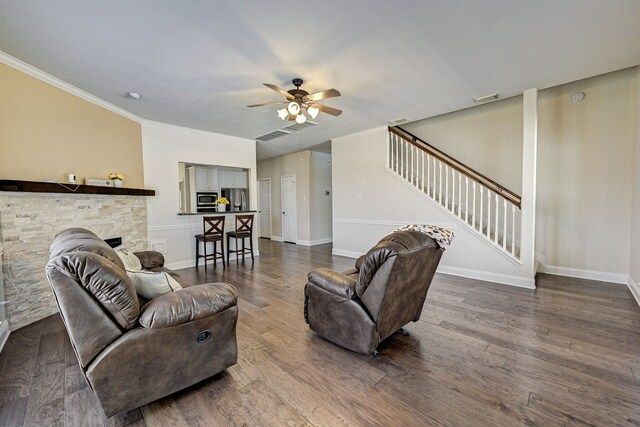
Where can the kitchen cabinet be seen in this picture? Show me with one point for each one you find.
(206, 179)
(233, 179)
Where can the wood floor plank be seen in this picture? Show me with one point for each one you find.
(481, 354)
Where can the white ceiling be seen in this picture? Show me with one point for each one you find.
(199, 63)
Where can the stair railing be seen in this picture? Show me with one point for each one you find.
(484, 205)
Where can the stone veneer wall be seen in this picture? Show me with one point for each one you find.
(28, 224)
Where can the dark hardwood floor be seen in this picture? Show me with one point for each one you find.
(481, 355)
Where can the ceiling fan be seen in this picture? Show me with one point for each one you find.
(299, 100)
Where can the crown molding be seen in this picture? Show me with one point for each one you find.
(60, 84)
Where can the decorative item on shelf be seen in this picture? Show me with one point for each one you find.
(98, 182)
(222, 203)
(116, 178)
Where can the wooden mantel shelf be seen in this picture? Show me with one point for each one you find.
(54, 187)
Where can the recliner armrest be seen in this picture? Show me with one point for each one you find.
(150, 259)
(334, 282)
(188, 304)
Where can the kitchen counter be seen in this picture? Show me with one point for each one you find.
(216, 213)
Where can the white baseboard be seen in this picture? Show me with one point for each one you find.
(277, 238)
(192, 262)
(634, 287)
(4, 333)
(504, 279)
(314, 242)
(348, 254)
(601, 276)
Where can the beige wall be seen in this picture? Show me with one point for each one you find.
(46, 133)
(319, 204)
(293, 164)
(585, 173)
(487, 138)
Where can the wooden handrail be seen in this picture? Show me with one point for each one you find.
(457, 165)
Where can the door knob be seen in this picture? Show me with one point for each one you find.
(282, 212)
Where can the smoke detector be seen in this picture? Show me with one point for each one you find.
(134, 95)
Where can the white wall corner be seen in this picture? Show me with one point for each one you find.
(4, 333)
(600, 276)
(313, 242)
(634, 287)
(277, 238)
(529, 166)
(345, 253)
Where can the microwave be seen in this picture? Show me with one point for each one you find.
(206, 200)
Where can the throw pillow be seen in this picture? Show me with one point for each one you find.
(130, 261)
(149, 284)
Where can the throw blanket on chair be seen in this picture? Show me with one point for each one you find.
(442, 236)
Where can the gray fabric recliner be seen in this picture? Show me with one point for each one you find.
(133, 355)
(359, 308)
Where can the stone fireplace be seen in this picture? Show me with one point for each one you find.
(28, 223)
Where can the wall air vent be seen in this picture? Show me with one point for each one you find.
(273, 135)
(397, 122)
(485, 99)
(299, 126)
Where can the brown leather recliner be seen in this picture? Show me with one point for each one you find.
(130, 355)
(359, 308)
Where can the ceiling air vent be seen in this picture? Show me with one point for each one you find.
(273, 135)
(485, 99)
(397, 122)
(299, 126)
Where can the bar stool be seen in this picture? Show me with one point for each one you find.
(244, 230)
(213, 227)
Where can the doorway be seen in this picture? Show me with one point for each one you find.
(264, 207)
(289, 214)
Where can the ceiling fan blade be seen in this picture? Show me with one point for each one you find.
(268, 103)
(329, 93)
(280, 91)
(328, 110)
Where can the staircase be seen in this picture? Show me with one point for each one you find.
(479, 203)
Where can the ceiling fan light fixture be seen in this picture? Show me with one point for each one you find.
(283, 113)
(313, 112)
(293, 108)
(301, 118)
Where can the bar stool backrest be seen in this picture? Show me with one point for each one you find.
(213, 225)
(244, 224)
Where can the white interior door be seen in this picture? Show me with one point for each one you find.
(289, 216)
(264, 207)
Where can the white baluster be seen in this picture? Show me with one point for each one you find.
(406, 159)
(411, 168)
(446, 186)
(495, 237)
(434, 178)
(428, 173)
(488, 214)
(440, 182)
(453, 191)
(481, 208)
(459, 195)
(466, 199)
(513, 230)
(504, 230)
(422, 175)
